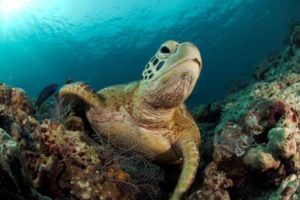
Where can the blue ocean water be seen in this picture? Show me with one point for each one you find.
(110, 42)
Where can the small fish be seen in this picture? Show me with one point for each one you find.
(45, 94)
(69, 80)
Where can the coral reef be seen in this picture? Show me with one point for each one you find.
(15, 182)
(250, 145)
(254, 134)
(80, 160)
(56, 156)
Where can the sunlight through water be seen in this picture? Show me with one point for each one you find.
(109, 42)
(10, 7)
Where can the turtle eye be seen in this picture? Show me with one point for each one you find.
(165, 49)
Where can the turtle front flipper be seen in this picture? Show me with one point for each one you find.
(189, 150)
(81, 91)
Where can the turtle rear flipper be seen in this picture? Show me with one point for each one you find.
(189, 150)
(80, 91)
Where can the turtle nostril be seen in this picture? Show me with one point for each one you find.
(165, 49)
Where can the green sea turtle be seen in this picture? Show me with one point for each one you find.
(151, 110)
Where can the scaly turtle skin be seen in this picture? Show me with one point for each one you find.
(151, 110)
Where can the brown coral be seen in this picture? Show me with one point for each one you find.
(5, 94)
(85, 172)
(215, 187)
(67, 144)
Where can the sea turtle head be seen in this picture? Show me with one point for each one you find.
(171, 74)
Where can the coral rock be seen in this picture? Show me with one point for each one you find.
(258, 159)
(15, 182)
(80, 167)
(256, 143)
